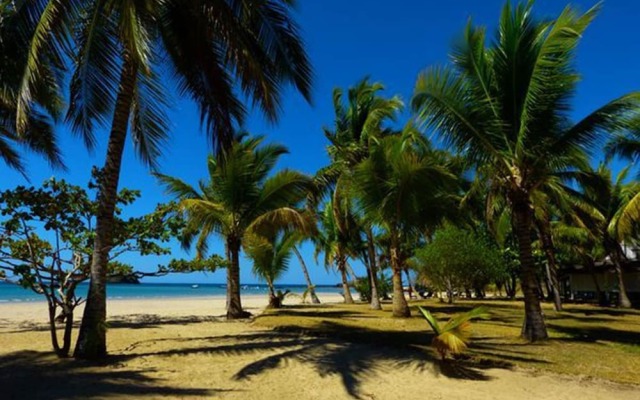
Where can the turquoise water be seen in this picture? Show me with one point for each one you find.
(14, 293)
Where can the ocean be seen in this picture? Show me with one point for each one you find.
(14, 293)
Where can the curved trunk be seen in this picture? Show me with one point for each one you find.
(234, 304)
(400, 306)
(310, 288)
(616, 257)
(552, 264)
(92, 337)
(373, 271)
(533, 328)
(602, 300)
(412, 288)
(342, 267)
(274, 302)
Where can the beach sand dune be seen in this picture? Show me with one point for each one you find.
(176, 348)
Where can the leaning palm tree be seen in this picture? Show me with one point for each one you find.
(240, 198)
(404, 187)
(271, 253)
(609, 209)
(39, 136)
(506, 106)
(119, 69)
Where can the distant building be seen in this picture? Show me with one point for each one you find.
(581, 283)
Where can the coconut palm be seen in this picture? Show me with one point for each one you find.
(311, 289)
(454, 336)
(506, 105)
(609, 209)
(337, 241)
(39, 135)
(240, 198)
(404, 187)
(212, 48)
(271, 254)
(359, 121)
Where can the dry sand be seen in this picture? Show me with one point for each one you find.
(173, 348)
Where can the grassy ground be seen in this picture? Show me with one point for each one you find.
(585, 340)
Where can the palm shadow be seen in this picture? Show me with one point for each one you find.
(41, 375)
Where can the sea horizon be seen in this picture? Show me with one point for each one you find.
(14, 293)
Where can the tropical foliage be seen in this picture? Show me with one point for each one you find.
(453, 337)
(241, 198)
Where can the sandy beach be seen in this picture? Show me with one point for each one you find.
(177, 348)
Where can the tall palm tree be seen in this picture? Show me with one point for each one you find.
(359, 121)
(403, 187)
(610, 211)
(212, 48)
(506, 105)
(240, 198)
(271, 254)
(39, 135)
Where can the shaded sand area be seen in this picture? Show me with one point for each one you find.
(173, 348)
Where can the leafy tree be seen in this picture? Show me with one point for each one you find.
(506, 106)
(121, 51)
(404, 187)
(241, 197)
(456, 259)
(46, 241)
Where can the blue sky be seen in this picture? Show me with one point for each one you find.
(389, 41)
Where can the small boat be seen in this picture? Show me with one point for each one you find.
(195, 286)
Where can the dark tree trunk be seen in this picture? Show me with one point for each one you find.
(234, 306)
(373, 271)
(274, 301)
(534, 328)
(400, 306)
(412, 288)
(552, 264)
(616, 257)
(53, 332)
(342, 267)
(92, 338)
(305, 271)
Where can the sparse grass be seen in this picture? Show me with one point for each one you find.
(585, 340)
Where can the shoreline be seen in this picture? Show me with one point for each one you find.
(13, 314)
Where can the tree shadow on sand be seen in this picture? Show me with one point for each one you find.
(41, 375)
(355, 356)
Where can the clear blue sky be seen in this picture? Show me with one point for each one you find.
(346, 40)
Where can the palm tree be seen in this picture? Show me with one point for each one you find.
(610, 210)
(311, 289)
(270, 254)
(212, 48)
(358, 122)
(403, 187)
(336, 239)
(240, 198)
(506, 106)
(38, 135)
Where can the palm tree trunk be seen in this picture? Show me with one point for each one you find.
(273, 299)
(552, 264)
(534, 328)
(373, 271)
(400, 306)
(92, 338)
(234, 306)
(342, 267)
(305, 271)
(623, 298)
